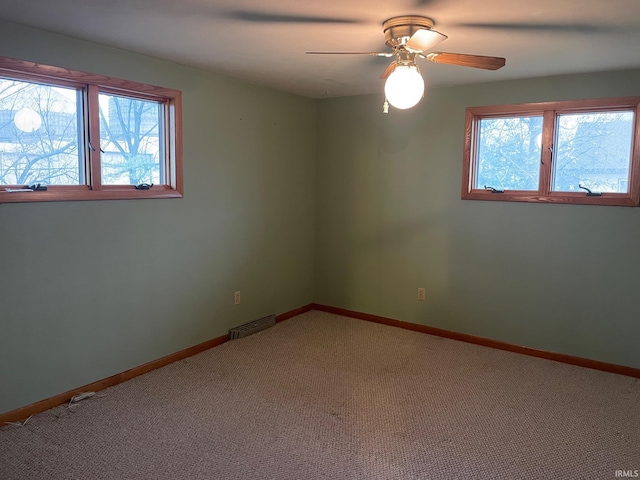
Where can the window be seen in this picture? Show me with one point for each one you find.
(67, 135)
(585, 152)
(130, 140)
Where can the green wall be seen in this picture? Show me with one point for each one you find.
(389, 219)
(90, 289)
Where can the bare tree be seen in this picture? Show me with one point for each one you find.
(131, 142)
(509, 153)
(47, 150)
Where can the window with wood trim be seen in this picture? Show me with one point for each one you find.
(583, 152)
(69, 135)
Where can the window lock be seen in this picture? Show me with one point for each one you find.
(493, 190)
(589, 192)
(36, 187)
(144, 186)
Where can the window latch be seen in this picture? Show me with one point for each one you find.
(493, 190)
(550, 155)
(589, 192)
(37, 187)
(144, 186)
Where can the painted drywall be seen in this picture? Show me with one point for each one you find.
(90, 289)
(389, 219)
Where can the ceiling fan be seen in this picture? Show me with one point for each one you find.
(411, 37)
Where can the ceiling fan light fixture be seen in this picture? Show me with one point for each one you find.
(405, 87)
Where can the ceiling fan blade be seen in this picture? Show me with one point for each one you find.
(371, 54)
(546, 27)
(264, 17)
(389, 70)
(475, 61)
(424, 40)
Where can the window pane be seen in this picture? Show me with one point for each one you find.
(509, 152)
(593, 150)
(131, 141)
(40, 140)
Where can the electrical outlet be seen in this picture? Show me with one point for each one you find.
(421, 294)
(236, 298)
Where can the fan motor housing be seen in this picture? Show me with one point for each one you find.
(398, 30)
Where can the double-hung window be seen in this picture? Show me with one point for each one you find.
(585, 152)
(68, 135)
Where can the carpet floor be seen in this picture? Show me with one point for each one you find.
(322, 396)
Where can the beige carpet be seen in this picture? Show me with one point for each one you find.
(326, 397)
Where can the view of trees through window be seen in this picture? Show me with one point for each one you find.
(130, 143)
(509, 152)
(41, 139)
(39, 134)
(591, 149)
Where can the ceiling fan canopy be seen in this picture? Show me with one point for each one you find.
(411, 31)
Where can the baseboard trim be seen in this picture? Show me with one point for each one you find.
(486, 342)
(292, 313)
(38, 407)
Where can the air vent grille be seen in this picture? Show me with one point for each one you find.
(252, 327)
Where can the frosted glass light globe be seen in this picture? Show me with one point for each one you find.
(27, 120)
(404, 87)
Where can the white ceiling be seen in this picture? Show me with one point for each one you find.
(264, 42)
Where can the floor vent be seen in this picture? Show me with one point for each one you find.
(252, 327)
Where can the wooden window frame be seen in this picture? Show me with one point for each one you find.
(549, 111)
(91, 85)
